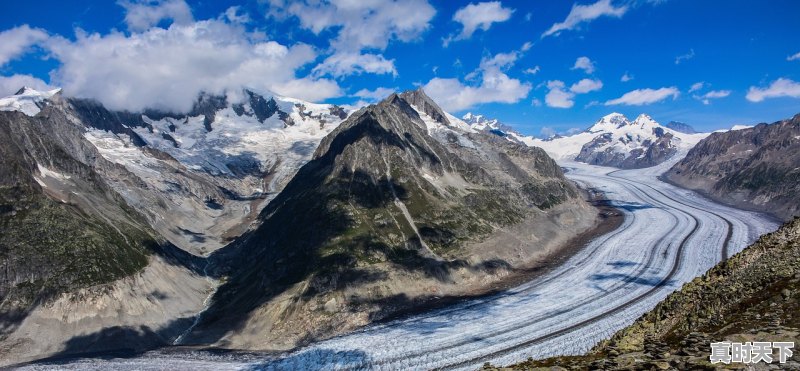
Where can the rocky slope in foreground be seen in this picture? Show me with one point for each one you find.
(755, 168)
(402, 204)
(753, 296)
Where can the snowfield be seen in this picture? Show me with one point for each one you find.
(669, 236)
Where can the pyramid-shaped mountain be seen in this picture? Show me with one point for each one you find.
(400, 204)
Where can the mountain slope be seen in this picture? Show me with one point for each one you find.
(63, 228)
(398, 205)
(618, 142)
(756, 168)
(201, 177)
(753, 296)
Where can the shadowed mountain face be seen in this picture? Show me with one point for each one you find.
(756, 168)
(393, 196)
(61, 226)
(681, 127)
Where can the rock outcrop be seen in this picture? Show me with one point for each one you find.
(755, 168)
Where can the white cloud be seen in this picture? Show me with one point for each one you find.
(500, 60)
(557, 97)
(11, 84)
(374, 95)
(478, 16)
(626, 77)
(345, 63)
(140, 15)
(532, 71)
(560, 97)
(493, 85)
(696, 86)
(793, 57)
(586, 85)
(585, 64)
(641, 97)
(360, 24)
(585, 13)
(167, 68)
(232, 15)
(526, 46)
(679, 59)
(781, 87)
(536, 102)
(546, 132)
(18, 40)
(714, 94)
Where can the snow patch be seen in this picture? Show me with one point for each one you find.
(27, 101)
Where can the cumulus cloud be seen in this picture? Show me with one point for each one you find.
(558, 97)
(479, 16)
(140, 15)
(346, 63)
(585, 64)
(493, 85)
(793, 57)
(18, 40)
(585, 86)
(714, 94)
(586, 13)
(681, 58)
(167, 68)
(360, 24)
(376, 94)
(11, 84)
(781, 87)
(561, 97)
(640, 97)
(626, 77)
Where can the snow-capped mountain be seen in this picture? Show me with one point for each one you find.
(616, 141)
(494, 126)
(207, 173)
(26, 100)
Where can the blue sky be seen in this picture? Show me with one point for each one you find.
(540, 66)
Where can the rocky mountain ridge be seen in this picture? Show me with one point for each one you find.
(400, 203)
(755, 168)
(200, 178)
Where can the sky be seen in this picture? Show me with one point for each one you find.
(543, 67)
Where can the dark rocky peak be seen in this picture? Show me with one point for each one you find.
(681, 127)
(338, 111)
(391, 123)
(424, 103)
(208, 105)
(262, 108)
(93, 114)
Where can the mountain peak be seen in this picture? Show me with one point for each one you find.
(425, 104)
